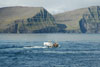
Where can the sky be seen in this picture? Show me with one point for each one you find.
(53, 6)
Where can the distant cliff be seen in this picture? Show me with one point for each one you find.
(85, 20)
(90, 22)
(26, 20)
(39, 20)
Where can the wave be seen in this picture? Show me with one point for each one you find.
(72, 52)
(9, 46)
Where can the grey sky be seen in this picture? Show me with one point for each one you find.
(53, 6)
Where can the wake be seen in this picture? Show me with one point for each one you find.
(34, 47)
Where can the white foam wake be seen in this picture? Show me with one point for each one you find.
(34, 47)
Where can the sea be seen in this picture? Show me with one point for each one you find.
(27, 50)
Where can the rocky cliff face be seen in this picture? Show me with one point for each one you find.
(90, 22)
(27, 20)
(85, 20)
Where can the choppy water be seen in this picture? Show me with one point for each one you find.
(27, 50)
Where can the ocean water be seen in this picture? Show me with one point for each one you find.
(27, 50)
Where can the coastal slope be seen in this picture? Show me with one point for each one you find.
(84, 20)
(26, 20)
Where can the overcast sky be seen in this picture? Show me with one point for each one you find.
(53, 6)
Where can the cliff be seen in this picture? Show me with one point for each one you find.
(39, 20)
(90, 22)
(26, 20)
(84, 20)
